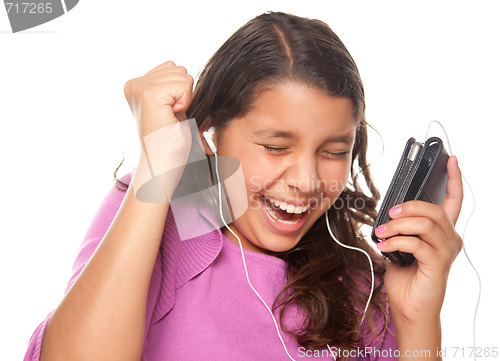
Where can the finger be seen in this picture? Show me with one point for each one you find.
(452, 203)
(161, 78)
(178, 95)
(422, 227)
(163, 72)
(167, 64)
(434, 212)
(127, 89)
(169, 90)
(178, 69)
(182, 103)
(422, 251)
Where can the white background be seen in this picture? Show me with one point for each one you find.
(64, 123)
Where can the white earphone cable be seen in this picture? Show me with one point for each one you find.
(352, 248)
(463, 234)
(243, 259)
(371, 269)
(359, 250)
(246, 270)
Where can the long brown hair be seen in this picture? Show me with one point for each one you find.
(328, 283)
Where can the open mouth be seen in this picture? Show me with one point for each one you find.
(283, 212)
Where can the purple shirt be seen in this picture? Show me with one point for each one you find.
(200, 305)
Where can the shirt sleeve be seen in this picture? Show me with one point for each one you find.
(98, 227)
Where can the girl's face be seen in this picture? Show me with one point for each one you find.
(295, 148)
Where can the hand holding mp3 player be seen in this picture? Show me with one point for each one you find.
(421, 175)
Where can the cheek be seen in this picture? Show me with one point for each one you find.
(254, 183)
(259, 176)
(334, 179)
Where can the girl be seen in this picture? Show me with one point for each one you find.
(285, 98)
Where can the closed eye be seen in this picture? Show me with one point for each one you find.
(337, 155)
(274, 149)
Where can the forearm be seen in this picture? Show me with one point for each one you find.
(102, 316)
(420, 341)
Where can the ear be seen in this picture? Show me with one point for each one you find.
(207, 123)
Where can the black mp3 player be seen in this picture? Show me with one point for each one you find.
(421, 175)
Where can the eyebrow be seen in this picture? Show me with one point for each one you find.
(275, 133)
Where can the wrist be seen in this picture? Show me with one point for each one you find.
(417, 320)
(418, 339)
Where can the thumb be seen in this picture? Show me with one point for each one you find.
(452, 203)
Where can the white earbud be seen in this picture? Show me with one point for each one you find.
(208, 135)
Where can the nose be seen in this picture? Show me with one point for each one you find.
(303, 175)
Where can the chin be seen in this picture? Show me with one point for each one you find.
(281, 247)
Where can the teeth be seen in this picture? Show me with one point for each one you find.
(299, 210)
(289, 208)
(273, 214)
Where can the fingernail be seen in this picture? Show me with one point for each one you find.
(395, 211)
(381, 244)
(380, 229)
(456, 160)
